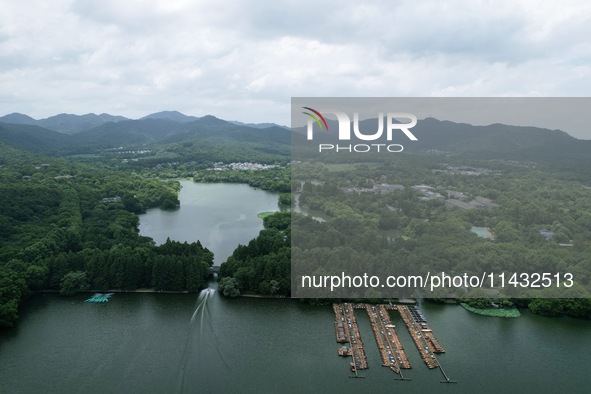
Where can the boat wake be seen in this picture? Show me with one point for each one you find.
(201, 314)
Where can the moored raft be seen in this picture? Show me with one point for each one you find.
(93, 297)
(99, 298)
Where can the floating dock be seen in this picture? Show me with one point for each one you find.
(99, 297)
(357, 352)
(389, 344)
(346, 330)
(391, 349)
(340, 323)
(413, 321)
(433, 342)
(345, 351)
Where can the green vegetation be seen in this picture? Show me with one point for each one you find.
(69, 223)
(262, 266)
(494, 312)
(558, 307)
(72, 282)
(69, 226)
(275, 180)
(285, 199)
(262, 215)
(229, 287)
(428, 234)
(279, 221)
(424, 233)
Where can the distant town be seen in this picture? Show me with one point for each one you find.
(246, 166)
(452, 198)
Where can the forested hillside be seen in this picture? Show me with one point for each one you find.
(68, 226)
(418, 212)
(70, 134)
(263, 266)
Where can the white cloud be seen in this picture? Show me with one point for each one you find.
(245, 60)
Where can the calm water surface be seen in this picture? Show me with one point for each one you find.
(147, 343)
(156, 343)
(220, 215)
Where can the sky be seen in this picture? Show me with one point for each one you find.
(244, 60)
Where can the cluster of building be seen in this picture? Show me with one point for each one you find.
(246, 166)
(121, 152)
(548, 234)
(464, 170)
(133, 152)
(169, 164)
(454, 198)
(476, 203)
(111, 199)
(428, 193)
(383, 188)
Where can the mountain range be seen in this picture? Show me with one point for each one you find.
(66, 123)
(69, 123)
(67, 134)
(495, 141)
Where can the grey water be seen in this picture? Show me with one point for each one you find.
(219, 215)
(149, 343)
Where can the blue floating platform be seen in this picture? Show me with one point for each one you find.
(99, 297)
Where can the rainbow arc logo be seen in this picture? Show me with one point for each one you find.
(317, 116)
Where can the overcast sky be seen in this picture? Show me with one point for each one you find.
(244, 60)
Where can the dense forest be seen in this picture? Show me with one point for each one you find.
(540, 222)
(263, 266)
(68, 226)
(275, 180)
(364, 226)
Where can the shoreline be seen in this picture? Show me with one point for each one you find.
(264, 296)
(491, 312)
(50, 291)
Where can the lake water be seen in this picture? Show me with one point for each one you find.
(158, 343)
(148, 343)
(220, 215)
